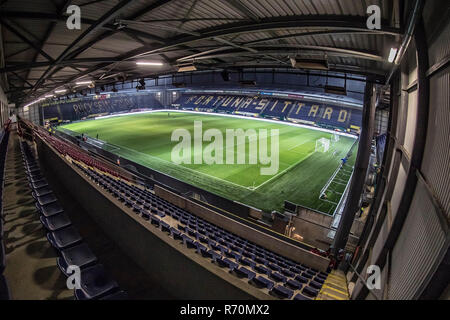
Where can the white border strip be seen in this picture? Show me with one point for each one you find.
(232, 116)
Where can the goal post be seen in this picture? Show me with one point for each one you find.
(322, 145)
(335, 137)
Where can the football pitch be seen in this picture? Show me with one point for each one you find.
(302, 171)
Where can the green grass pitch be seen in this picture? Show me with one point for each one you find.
(146, 139)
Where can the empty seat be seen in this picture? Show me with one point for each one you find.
(226, 263)
(42, 191)
(64, 238)
(155, 221)
(165, 226)
(46, 199)
(39, 184)
(244, 272)
(293, 284)
(283, 292)
(95, 284)
(49, 209)
(55, 222)
(315, 285)
(262, 282)
(176, 234)
(301, 279)
(278, 277)
(287, 273)
(79, 255)
(299, 296)
(309, 291)
(261, 269)
(247, 262)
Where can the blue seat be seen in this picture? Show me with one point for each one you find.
(315, 284)
(65, 238)
(226, 263)
(49, 210)
(42, 191)
(55, 222)
(301, 279)
(232, 254)
(294, 284)
(46, 199)
(274, 266)
(310, 292)
(95, 284)
(205, 252)
(261, 269)
(79, 255)
(39, 184)
(263, 282)
(164, 226)
(319, 280)
(155, 221)
(244, 273)
(287, 273)
(299, 296)
(278, 277)
(202, 239)
(145, 214)
(247, 262)
(283, 292)
(260, 260)
(199, 246)
(176, 234)
(188, 241)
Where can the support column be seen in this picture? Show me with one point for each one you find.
(360, 170)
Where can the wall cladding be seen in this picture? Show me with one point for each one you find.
(420, 244)
(436, 161)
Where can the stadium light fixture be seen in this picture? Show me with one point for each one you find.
(310, 64)
(186, 68)
(83, 82)
(60, 91)
(49, 96)
(149, 63)
(392, 54)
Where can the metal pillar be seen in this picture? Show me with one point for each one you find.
(360, 170)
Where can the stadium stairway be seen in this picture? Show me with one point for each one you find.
(334, 287)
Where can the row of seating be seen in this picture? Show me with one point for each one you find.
(267, 270)
(65, 239)
(284, 109)
(4, 289)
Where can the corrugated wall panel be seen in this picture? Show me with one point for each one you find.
(435, 166)
(419, 245)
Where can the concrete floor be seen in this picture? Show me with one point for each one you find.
(31, 269)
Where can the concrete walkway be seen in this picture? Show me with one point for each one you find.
(31, 269)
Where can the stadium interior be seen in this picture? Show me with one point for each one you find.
(224, 150)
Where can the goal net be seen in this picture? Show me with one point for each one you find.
(335, 137)
(322, 145)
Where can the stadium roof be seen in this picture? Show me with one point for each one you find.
(41, 53)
